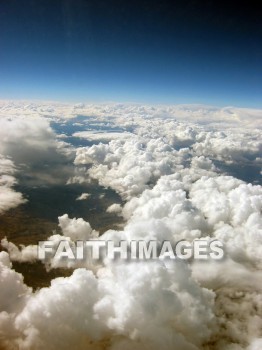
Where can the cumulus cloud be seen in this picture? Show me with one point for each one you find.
(229, 146)
(120, 308)
(114, 208)
(23, 139)
(24, 254)
(76, 228)
(130, 166)
(9, 197)
(83, 196)
(27, 143)
(172, 189)
(165, 212)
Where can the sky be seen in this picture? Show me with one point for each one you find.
(138, 51)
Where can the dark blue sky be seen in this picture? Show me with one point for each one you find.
(138, 51)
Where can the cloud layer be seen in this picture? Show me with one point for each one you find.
(169, 178)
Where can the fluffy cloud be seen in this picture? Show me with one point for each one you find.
(168, 176)
(76, 228)
(24, 254)
(114, 208)
(130, 166)
(26, 139)
(83, 196)
(27, 144)
(9, 197)
(124, 307)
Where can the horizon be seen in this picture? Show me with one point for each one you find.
(124, 103)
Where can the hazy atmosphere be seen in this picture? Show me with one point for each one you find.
(128, 123)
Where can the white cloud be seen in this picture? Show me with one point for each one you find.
(9, 197)
(25, 139)
(102, 136)
(76, 228)
(83, 196)
(120, 308)
(130, 166)
(24, 254)
(167, 175)
(114, 208)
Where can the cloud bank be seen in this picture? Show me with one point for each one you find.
(172, 187)
(9, 197)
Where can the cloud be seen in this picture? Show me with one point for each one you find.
(163, 212)
(256, 344)
(129, 166)
(129, 114)
(31, 144)
(102, 136)
(114, 208)
(24, 254)
(76, 228)
(230, 147)
(25, 139)
(101, 310)
(172, 188)
(83, 196)
(9, 197)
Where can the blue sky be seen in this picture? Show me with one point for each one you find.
(141, 51)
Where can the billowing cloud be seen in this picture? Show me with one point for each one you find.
(25, 139)
(169, 178)
(9, 197)
(114, 208)
(125, 307)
